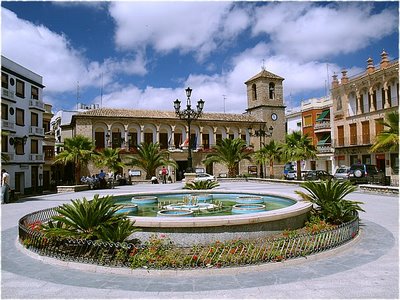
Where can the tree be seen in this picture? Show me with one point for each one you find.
(328, 195)
(150, 157)
(388, 139)
(109, 157)
(229, 152)
(297, 147)
(77, 150)
(268, 153)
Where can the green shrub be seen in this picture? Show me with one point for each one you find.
(328, 196)
(201, 185)
(92, 220)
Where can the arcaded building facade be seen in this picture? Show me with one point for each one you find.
(126, 129)
(359, 103)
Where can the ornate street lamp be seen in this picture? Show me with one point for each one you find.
(189, 115)
(262, 133)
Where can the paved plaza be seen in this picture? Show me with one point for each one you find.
(368, 267)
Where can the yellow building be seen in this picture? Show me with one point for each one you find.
(359, 103)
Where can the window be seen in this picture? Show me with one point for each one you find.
(338, 103)
(271, 90)
(34, 146)
(307, 121)
(378, 126)
(362, 103)
(163, 140)
(46, 125)
(34, 92)
(4, 111)
(4, 80)
(19, 147)
(99, 140)
(243, 137)
(20, 114)
(116, 140)
(206, 141)
(340, 135)
(20, 92)
(133, 140)
(353, 134)
(365, 132)
(394, 163)
(48, 152)
(178, 139)
(4, 144)
(34, 119)
(148, 137)
(218, 138)
(254, 92)
(231, 136)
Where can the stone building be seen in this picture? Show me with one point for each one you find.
(359, 103)
(128, 128)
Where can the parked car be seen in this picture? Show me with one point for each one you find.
(317, 175)
(291, 174)
(202, 177)
(363, 173)
(342, 173)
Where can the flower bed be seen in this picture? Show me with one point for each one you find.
(160, 253)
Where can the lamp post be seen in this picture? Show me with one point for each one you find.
(262, 133)
(189, 114)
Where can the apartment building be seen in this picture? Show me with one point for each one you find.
(359, 103)
(25, 120)
(316, 121)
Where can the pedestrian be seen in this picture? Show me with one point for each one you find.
(102, 179)
(5, 188)
(164, 173)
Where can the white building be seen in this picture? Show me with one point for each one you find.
(22, 127)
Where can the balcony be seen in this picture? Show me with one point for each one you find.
(7, 125)
(34, 130)
(33, 103)
(10, 156)
(322, 125)
(36, 157)
(7, 94)
(325, 149)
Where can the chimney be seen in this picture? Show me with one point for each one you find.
(344, 78)
(335, 81)
(370, 66)
(384, 59)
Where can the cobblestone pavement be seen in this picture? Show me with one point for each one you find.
(365, 268)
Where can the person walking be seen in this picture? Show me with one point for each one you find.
(5, 188)
(164, 173)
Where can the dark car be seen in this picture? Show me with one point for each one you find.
(317, 175)
(363, 173)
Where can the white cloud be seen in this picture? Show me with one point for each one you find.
(197, 27)
(311, 31)
(51, 55)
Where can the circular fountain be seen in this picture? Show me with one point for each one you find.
(128, 208)
(175, 213)
(250, 199)
(247, 208)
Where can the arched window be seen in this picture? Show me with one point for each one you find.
(254, 91)
(271, 90)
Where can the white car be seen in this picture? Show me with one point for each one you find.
(202, 177)
(292, 174)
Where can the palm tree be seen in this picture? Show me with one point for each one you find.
(297, 147)
(388, 139)
(77, 150)
(149, 157)
(229, 152)
(268, 153)
(109, 157)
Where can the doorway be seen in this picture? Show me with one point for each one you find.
(180, 171)
(380, 162)
(34, 181)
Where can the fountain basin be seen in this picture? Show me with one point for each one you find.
(128, 208)
(175, 213)
(247, 208)
(198, 207)
(143, 200)
(203, 197)
(250, 200)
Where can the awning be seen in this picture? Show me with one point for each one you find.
(324, 140)
(323, 115)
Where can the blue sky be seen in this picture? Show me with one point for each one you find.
(142, 55)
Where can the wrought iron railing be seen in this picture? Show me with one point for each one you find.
(159, 253)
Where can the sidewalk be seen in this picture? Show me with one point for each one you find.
(366, 268)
